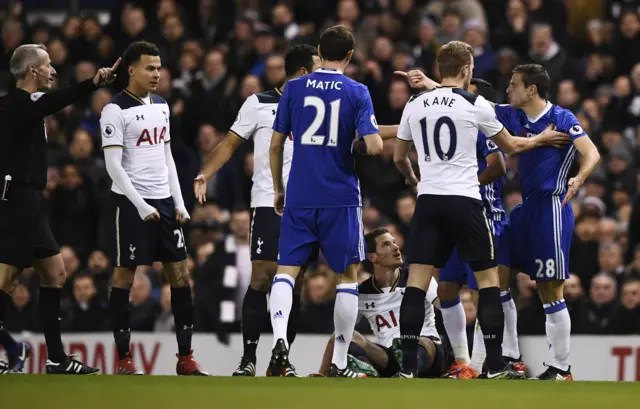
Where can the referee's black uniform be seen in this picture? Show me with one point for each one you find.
(25, 235)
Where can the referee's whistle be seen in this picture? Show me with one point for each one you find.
(5, 189)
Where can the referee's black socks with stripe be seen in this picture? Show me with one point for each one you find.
(120, 313)
(182, 307)
(491, 319)
(49, 308)
(255, 318)
(412, 313)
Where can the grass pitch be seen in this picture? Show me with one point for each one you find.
(159, 392)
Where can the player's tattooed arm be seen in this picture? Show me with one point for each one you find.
(496, 168)
(589, 158)
(276, 161)
(402, 161)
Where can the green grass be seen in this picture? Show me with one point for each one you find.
(157, 392)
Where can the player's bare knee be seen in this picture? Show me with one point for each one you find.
(448, 291)
(550, 291)
(262, 273)
(350, 275)
(420, 276)
(487, 278)
(359, 339)
(177, 273)
(123, 277)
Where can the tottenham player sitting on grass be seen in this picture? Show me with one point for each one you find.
(444, 125)
(491, 169)
(537, 238)
(255, 120)
(149, 209)
(379, 302)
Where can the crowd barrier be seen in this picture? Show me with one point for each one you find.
(593, 358)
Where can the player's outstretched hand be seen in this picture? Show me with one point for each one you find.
(278, 203)
(417, 79)
(200, 188)
(572, 188)
(551, 137)
(106, 76)
(182, 216)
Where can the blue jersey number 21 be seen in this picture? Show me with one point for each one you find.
(309, 136)
(443, 120)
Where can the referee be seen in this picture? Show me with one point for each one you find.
(25, 237)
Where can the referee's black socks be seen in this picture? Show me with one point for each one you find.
(412, 313)
(491, 319)
(6, 340)
(120, 313)
(49, 308)
(182, 308)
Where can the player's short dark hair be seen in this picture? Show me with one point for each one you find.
(336, 42)
(485, 89)
(137, 49)
(370, 238)
(299, 56)
(535, 74)
(452, 57)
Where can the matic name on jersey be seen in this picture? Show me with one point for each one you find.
(255, 119)
(141, 127)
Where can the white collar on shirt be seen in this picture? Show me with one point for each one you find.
(328, 71)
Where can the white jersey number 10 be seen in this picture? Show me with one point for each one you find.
(309, 136)
(443, 120)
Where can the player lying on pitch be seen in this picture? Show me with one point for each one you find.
(379, 302)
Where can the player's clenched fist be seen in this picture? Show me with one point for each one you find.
(278, 203)
(182, 216)
(106, 76)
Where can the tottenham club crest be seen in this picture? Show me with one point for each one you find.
(108, 131)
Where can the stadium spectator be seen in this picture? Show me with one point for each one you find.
(86, 312)
(144, 309)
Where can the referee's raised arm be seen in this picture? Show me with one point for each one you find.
(22, 111)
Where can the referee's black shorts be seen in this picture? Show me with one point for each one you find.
(25, 235)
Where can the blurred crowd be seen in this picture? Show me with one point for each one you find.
(218, 52)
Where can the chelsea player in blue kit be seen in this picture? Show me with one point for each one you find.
(322, 111)
(538, 236)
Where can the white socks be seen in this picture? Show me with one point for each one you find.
(345, 314)
(510, 347)
(558, 328)
(280, 306)
(455, 323)
(479, 353)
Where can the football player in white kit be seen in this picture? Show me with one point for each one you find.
(255, 120)
(379, 302)
(444, 124)
(149, 205)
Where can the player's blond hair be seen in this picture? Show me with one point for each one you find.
(452, 57)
